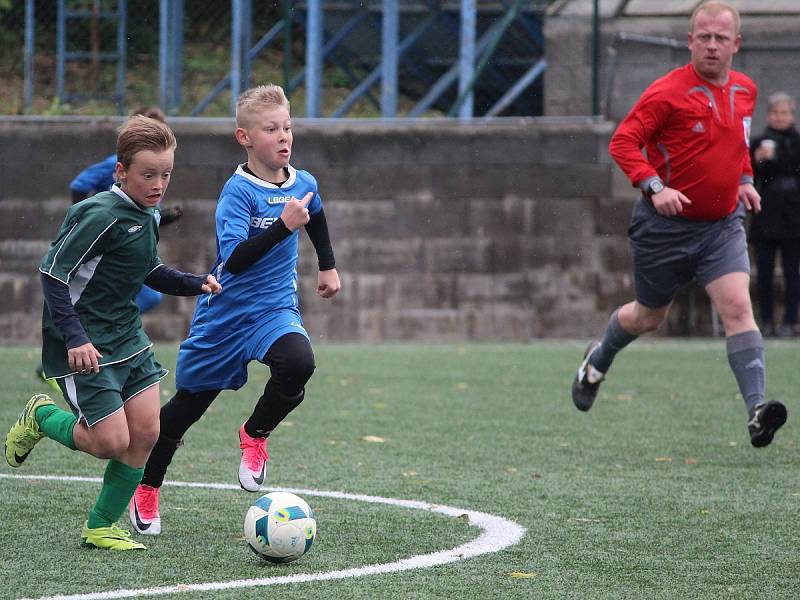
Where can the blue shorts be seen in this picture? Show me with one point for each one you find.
(217, 360)
(669, 252)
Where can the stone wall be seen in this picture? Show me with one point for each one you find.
(770, 55)
(503, 230)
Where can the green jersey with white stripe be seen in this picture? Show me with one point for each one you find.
(105, 249)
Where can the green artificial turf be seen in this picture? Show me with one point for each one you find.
(655, 493)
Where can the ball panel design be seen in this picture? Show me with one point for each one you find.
(280, 527)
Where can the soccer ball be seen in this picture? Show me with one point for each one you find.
(280, 527)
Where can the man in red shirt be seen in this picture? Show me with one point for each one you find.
(696, 181)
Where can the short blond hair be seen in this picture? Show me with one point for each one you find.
(143, 133)
(715, 7)
(259, 99)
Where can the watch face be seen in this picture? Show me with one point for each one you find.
(656, 186)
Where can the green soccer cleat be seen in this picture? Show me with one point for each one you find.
(25, 433)
(109, 538)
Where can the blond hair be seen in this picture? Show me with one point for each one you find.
(140, 133)
(259, 99)
(715, 7)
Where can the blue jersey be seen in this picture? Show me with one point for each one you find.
(98, 177)
(247, 206)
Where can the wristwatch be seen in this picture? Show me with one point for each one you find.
(654, 187)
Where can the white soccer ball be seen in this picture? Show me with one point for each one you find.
(280, 527)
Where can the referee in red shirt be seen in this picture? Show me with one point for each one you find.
(696, 180)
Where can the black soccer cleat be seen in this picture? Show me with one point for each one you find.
(583, 391)
(765, 421)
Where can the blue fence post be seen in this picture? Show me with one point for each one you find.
(122, 41)
(314, 44)
(389, 58)
(30, 49)
(170, 53)
(61, 49)
(466, 58)
(241, 40)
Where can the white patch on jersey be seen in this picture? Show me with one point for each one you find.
(698, 127)
(746, 123)
(134, 228)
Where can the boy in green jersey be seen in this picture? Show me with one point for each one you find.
(92, 338)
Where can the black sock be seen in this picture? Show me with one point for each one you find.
(270, 410)
(177, 415)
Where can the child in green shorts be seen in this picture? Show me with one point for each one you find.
(92, 338)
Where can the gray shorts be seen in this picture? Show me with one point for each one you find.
(669, 252)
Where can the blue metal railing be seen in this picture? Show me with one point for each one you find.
(445, 81)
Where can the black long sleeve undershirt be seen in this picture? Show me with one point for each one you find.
(173, 282)
(317, 229)
(56, 295)
(249, 251)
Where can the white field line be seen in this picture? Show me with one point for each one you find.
(497, 533)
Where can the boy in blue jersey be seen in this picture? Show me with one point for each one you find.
(257, 317)
(92, 338)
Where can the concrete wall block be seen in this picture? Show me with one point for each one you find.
(442, 215)
(376, 255)
(444, 325)
(498, 217)
(347, 218)
(456, 255)
(31, 219)
(22, 256)
(423, 290)
(23, 328)
(508, 254)
(522, 147)
(567, 219)
(569, 148)
(612, 215)
(559, 181)
(613, 253)
(502, 323)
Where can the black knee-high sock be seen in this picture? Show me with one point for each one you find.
(177, 415)
(271, 409)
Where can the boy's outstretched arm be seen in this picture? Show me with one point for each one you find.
(177, 283)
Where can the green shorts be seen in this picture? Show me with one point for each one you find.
(95, 396)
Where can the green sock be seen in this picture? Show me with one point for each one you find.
(57, 424)
(119, 483)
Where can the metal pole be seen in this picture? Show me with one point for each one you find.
(595, 57)
(122, 39)
(176, 58)
(287, 45)
(314, 59)
(61, 44)
(163, 54)
(247, 40)
(30, 32)
(236, 52)
(466, 61)
(389, 59)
